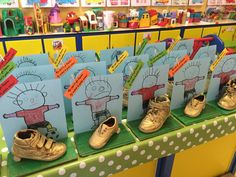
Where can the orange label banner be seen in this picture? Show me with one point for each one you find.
(70, 92)
(179, 65)
(65, 67)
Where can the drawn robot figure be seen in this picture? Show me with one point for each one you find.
(227, 70)
(98, 93)
(191, 74)
(149, 87)
(31, 101)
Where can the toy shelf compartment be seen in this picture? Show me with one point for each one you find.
(119, 159)
(120, 30)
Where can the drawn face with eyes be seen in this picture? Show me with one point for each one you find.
(191, 72)
(30, 99)
(228, 65)
(98, 89)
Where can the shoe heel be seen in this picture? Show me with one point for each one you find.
(118, 131)
(16, 159)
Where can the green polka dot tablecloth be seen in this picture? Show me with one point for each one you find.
(116, 160)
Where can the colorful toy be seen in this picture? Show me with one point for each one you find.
(54, 16)
(29, 25)
(100, 23)
(108, 19)
(13, 22)
(116, 21)
(123, 22)
(83, 23)
(71, 18)
(144, 19)
(133, 19)
(153, 16)
(76, 27)
(67, 27)
(92, 20)
(39, 19)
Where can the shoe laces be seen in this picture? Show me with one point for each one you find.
(231, 90)
(102, 130)
(152, 113)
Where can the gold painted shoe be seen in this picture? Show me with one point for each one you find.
(195, 106)
(158, 112)
(228, 100)
(30, 144)
(104, 132)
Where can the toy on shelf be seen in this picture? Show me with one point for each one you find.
(39, 19)
(108, 19)
(153, 16)
(55, 20)
(29, 29)
(13, 22)
(72, 23)
(116, 21)
(92, 20)
(133, 19)
(144, 19)
(100, 25)
(123, 22)
(83, 23)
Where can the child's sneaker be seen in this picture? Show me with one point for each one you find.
(195, 106)
(104, 132)
(228, 100)
(30, 144)
(158, 112)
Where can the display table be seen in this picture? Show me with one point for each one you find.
(140, 152)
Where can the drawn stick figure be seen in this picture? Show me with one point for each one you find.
(149, 87)
(191, 74)
(227, 70)
(98, 95)
(31, 101)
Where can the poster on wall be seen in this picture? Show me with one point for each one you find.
(43, 3)
(228, 2)
(120, 3)
(195, 2)
(66, 3)
(214, 2)
(179, 2)
(8, 3)
(93, 3)
(161, 2)
(140, 2)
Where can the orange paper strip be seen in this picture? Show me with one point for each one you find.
(178, 65)
(65, 67)
(76, 84)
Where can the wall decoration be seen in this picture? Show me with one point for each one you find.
(195, 2)
(161, 2)
(179, 2)
(115, 3)
(66, 3)
(140, 2)
(30, 3)
(9, 3)
(93, 3)
(214, 2)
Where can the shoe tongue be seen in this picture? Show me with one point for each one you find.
(194, 102)
(103, 126)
